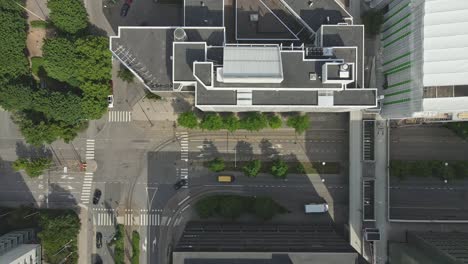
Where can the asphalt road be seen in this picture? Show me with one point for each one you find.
(427, 198)
(426, 143)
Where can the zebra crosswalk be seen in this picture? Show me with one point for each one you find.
(109, 217)
(184, 154)
(86, 189)
(120, 116)
(90, 149)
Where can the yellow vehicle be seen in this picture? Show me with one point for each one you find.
(225, 178)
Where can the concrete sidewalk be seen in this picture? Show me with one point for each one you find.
(85, 236)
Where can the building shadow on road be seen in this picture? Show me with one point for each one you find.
(14, 191)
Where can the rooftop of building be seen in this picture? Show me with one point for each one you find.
(203, 13)
(271, 73)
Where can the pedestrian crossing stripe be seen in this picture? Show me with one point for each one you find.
(120, 116)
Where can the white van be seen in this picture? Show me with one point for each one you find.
(316, 208)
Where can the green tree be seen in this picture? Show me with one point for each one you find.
(231, 122)
(252, 168)
(299, 122)
(207, 207)
(231, 206)
(37, 130)
(211, 121)
(119, 249)
(58, 106)
(125, 74)
(68, 16)
(217, 165)
(274, 121)
(94, 100)
(94, 59)
(279, 169)
(16, 97)
(33, 167)
(135, 247)
(13, 61)
(188, 120)
(254, 121)
(60, 60)
(57, 247)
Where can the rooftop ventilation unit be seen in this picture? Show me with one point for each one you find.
(180, 35)
(253, 17)
(344, 71)
(328, 52)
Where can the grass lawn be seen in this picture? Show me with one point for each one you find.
(36, 65)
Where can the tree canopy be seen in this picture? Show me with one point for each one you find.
(188, 120)
(93, 59)
(14, 63)
(68, 16)
(231, 122)
(217, 165)
(211, 121)
(299, 122)
(60, 60)
(279, 169)
(254, 121)
(59, 237)
(274, 121)
(252, 168)
(32, 167)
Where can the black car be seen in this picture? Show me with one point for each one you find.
(98, 240)
(96, 196)
(124, 10)
(180, 183)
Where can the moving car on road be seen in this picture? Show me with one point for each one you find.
(316, 208)
(180, 183)
(225, 178)
(98, 239)
(96, 196)
(110, 101)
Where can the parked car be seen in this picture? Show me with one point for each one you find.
(96, 196)
(180, 183)
(316, 208)
(98, 240)
(124, 10)
(110, 101)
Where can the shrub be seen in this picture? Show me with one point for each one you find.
(279, 169)
(188, 120)
(135, 247)
(254, 121)
(265, 208)
(217, 165)
(299, 122)
(207, 207)
(231, 122)
(211, 121)
(153, 96)
(252, 168)
(274, 121)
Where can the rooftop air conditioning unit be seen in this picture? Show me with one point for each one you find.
(253, 17)
(344, 71)
(328, 52)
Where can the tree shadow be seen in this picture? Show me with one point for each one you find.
(267, 149)
(208, 151)
(96, 31)
(243, 151)
(30, 151)
(180, 104)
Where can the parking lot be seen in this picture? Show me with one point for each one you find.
(427, 198)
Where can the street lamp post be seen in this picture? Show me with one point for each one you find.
(235, 157)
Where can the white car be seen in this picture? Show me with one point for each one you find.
(110, 101)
